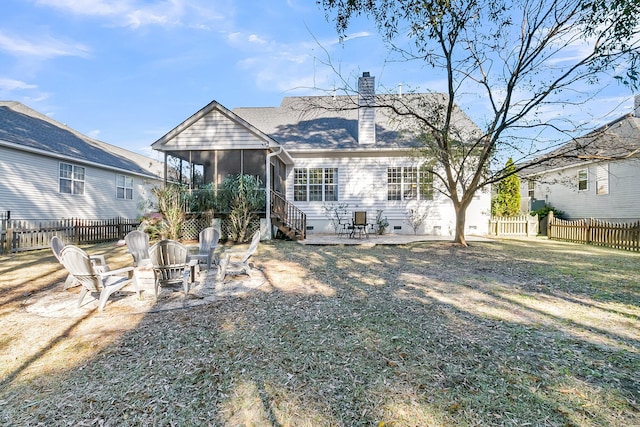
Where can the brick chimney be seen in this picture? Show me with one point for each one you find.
(366, 109)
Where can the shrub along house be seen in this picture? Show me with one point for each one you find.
(315, 153)
(50, 171)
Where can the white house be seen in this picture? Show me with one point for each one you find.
(321, 151)
(50, 171)
(598, 177)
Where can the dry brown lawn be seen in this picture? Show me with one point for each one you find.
(511, 332)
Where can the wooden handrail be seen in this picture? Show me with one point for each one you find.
(288, 214)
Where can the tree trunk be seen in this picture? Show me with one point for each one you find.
(461, 216)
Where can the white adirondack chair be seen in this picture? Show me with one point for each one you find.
(207, 244)
(229, 267)
(93, 279)
(98, 262)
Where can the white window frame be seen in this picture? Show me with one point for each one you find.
(124, 187)
(531, 188)
(315, 184)
(583, 179)
(409, 183)
(71, 179)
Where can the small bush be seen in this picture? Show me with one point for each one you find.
(543, 212)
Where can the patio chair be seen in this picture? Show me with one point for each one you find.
(359, 224)
(169, 260)
(138, 246)
(98, 262)
(207, 244)
(344, 228)
(93, 279)
(228, 267)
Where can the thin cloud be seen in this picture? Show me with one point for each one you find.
(12, 84)
(136, 14)
(41, 46)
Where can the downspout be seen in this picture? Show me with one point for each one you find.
(268, 190)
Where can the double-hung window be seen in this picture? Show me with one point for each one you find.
(124, 187)
(583, 180)
(531, 189)
(71, 179)
(315, 184)
(409, 183)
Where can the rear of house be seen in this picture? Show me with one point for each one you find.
(322, 153)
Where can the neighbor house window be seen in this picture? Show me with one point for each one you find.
(315, 184)
(531, 189)
(409, 183)
(602, 180)
(582, 179)
(71, 179)
(124, 187)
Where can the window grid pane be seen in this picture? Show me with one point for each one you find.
(331, 193)
(71, 179)
(426, 183)
(315, 176)
(300, 185)
(410, 178)
(394, 183)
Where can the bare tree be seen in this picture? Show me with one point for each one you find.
(519, 56)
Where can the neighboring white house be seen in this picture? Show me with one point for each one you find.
(50, 171)
(599, 179)
(322, 151)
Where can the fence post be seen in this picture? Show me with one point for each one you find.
(76, 233)
(9, 239)
(550, 224)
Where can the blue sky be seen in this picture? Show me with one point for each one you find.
(128, 71)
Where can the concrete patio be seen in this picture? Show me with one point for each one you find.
(376, 239)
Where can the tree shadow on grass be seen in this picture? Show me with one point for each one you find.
(344, 336)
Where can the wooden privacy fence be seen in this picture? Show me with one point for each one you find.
(18, 235)
(597, 232)
(523, 225)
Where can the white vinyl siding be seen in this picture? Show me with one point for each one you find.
(30, 190)
(215, 126)
(363, 186)
(618, 205)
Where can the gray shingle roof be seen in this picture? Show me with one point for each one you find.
(616, 140)
(27, 128)
(331, 123)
